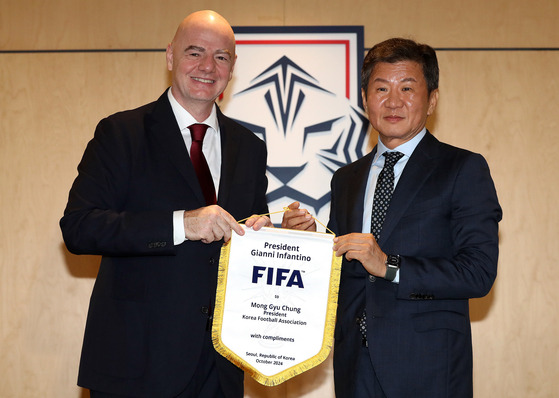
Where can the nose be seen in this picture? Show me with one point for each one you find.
(206, 64)
(394, 99)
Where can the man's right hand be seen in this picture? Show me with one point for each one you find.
(210, 224)
(296, 218)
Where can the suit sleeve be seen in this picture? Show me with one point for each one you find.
(471, 268)
(261, 202)
(332, 222)
(96, 219)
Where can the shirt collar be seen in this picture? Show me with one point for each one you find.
(406, 148)
(185, 119)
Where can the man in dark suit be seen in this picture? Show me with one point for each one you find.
(403, 327)
(138, 201)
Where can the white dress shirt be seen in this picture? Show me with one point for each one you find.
(211, 148)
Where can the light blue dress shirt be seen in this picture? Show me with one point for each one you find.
(407, 149)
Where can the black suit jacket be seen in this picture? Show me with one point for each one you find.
(150, 307)
(443, 222)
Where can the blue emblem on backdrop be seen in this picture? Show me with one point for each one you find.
(298, 89)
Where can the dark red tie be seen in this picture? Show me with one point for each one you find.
(197, 131)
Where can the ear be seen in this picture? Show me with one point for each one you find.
(232, 67)
(169, 57)
(433, 99)
(364, 98)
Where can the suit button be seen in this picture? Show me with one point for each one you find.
(372, 278)
(212, 261)
(204, 309)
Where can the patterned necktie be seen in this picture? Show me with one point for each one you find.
(381, 201)
(383, 192)
(197, 132)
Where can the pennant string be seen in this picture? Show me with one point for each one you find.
(283, 211)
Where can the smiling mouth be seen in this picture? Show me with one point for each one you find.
(199, 79)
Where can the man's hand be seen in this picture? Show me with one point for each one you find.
(210, 224)
(363, 248)
(296, 218)
(257, 222)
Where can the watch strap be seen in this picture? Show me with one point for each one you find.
(392, 267)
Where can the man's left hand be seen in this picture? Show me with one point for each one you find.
(258, 222)
(363, 248)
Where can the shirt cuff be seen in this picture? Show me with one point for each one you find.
(178, 227)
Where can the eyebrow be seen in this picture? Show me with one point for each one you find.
(202, 49)
(196, 48)
(404, 80)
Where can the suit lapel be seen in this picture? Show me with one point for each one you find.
(163, 129)
(356, 196)
(418, 169)
(229, 155)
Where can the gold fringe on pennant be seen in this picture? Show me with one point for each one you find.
(328, 337)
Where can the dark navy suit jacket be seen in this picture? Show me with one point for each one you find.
(150, 306)
(443, 222)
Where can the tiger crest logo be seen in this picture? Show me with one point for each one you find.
(310, 131)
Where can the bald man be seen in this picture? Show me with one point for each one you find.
(139, 202)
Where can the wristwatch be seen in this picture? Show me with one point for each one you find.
(392, 267)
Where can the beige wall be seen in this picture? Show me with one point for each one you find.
(503, 104)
